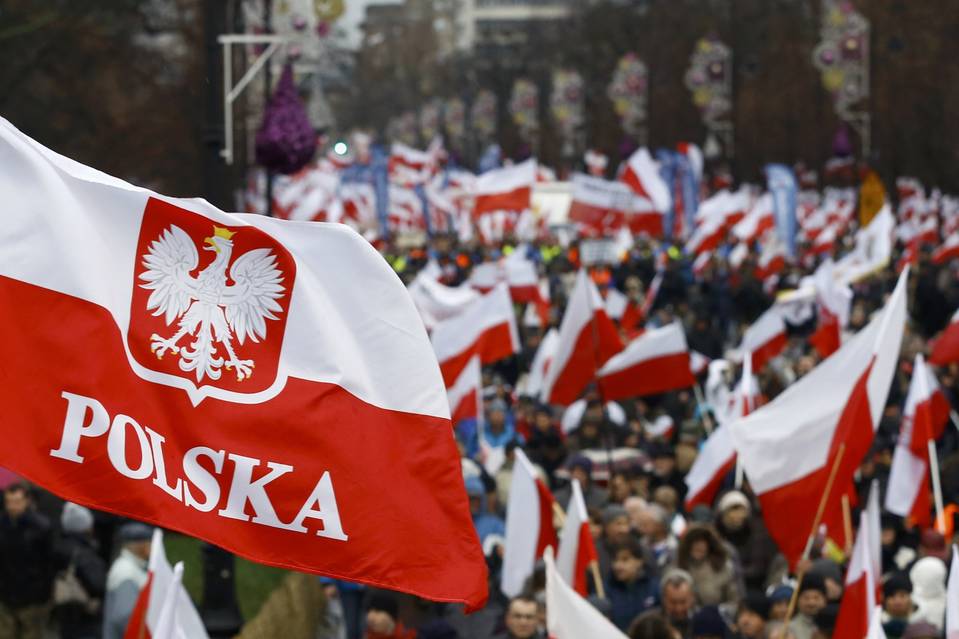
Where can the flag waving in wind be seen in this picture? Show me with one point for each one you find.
(261, 384)
(814, 435)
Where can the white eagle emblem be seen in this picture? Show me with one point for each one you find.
(209, 310)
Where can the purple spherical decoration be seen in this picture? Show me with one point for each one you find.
(841, 143)
(827, 57)
(323, 28)
(294, 52)
(286, 141)
(298, 22)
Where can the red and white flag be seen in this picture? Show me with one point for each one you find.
(642, 176)
(945, 348)
(163, 589)
(924, 419)
(765, 338)
(576, 546)
(587, 339)
(167, 627)
(772, 257)
(466, 393)
(601, 207)
(948, 251)
(759, 218)
(834, 300)
(952, 597)
(568, 614)
(505, 189)
(655, 362)
(214, 336)
(487, 328)
(821, 425)
(529, 525)
(860, 595)
(698, 362)
(437, 302)
(548, 346)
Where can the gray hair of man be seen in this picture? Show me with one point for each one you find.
(674, 578)
(660, 514)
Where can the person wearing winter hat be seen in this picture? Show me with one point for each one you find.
(76, 550)
(126, 577)
(832, 577)
(779, 597)
(928, 577)
(382, 618)
(811, 600)
(707, 623)
(740, 526)
(751, 616)
(896, 604)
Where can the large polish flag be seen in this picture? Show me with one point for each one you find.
(603, 206)
(542, 360)
(466, 393)
(486, 328)
(924, 420)
(860, 598)
(765, 338)
(529, 525)
(642, 176)
(587, 339)
(576, 546)
(505, 189)
(945, 348)
(822, 424)
(232, 377)
(161, 588)
(655, 362)
(568, 614)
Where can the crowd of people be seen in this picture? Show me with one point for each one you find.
(665, 571)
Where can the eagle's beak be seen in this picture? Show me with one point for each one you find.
(213, 246)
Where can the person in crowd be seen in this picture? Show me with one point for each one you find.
(26, 566)
(896, 604)
(652, 625)
(809, 603)
(126, 578)
(928, 577)
(896, 555)
(667, 498)
(703, 555)
(747, 533)
(779, 597)
(77, 556)
(631, 590)
(382, 618)
(499, 429)
(486, 523)
(832, 577)
(678, 603)
(707, 623)
(581, 468)
(545, 444)
(751, 615)
(615, 531)
(654, 528)
(522, 619)
(665, 472)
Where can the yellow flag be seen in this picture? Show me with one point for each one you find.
(872, 195)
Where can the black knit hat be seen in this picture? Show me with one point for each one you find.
(896, 582)
(384, 602)
(812, 581)
(755, 602)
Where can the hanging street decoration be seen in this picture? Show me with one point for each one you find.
(629, 92)
(566, 106)
(455, 120)
(842, 57)
(524, 107)
(483, 115)
(431, 116)
(710, 79)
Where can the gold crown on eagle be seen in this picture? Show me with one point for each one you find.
(226, 234)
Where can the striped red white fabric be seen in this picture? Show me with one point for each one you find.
(789, 447)
(529, 525)
(466, 393)
(587, 339)
(505, 189)
(860, 594)
(576, 546)
(924, 419)
(759, 219)
(486, 328)
(765, 338)
(642, 176)
(945, 348)
(601, 207)
(437, 302)
(655, 362)
(949, 250)
(568, 614)
(214, 334)
(542, 360)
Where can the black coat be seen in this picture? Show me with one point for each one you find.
(26, 560)
(91, 571)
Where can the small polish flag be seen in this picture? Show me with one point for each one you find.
(765, 339)
(821, 426)
(162, 586)
(924, 420)
(548, 347)
(707, 235)
(466, 393)
(576, 546)
(661, 428)
(859, 598)
(698, 363)
(759, 219)
(772, 258)
(486, 328)
(603, 206)
(945, 348)
(642, 176)
(948, 251)
(529, 525)
(437, 302)
(505, 189)
(655, 362)
(568, 615)
(714, 461)
(587, 339)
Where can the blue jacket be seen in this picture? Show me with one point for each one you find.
(628, 601)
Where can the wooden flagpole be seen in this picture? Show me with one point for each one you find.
(847, 523)
(812, 534)
(597, 579)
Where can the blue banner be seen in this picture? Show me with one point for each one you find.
(782, 185)
(668, 165)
